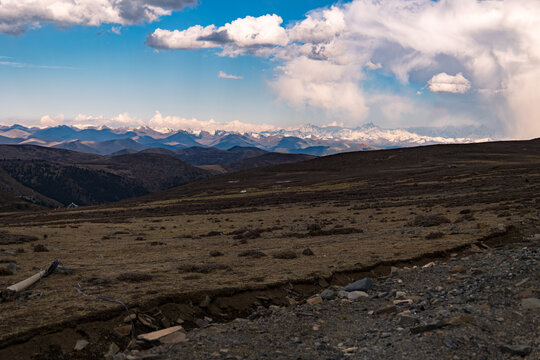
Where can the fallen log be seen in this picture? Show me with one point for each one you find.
(21, 286)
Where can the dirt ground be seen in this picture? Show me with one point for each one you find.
(167, 256)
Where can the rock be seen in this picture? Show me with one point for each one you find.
(449, 343)
(323, 283)
(308, 252)
(113, 350)
(129, 318)
(355, 295)
(123, 331)
(350, 350)
(457, 320)
(216, 253)
(428, 327)
(386, 310)
(5, 272)
(525, 293)
(458, 269)
(328, 294)
(40, 248)
(522, 282)
(314, 300)
(521, 350)
(147, 321)
(342, 294)
(400, 294)
(407, 320)
(81, 344)
(201, 323)
(174, 338)
(360, 285)
(205, 302)
(402, 301)
(156, 335)
(530, 303)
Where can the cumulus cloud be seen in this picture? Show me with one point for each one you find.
(495, 43)
(443, 82)
(241, 35)
(224, 75)
(48, 120)
(17, 16)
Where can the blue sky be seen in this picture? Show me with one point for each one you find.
(351, 62)
(102, 73)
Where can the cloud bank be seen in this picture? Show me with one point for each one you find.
(158, 122)
(492, 46)
(17, 16)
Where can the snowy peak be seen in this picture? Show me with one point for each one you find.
(305, 139)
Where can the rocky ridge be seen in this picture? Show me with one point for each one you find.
(482, 304)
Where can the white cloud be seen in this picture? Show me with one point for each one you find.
(83, 121)
(181, 40)
(496, 43)
(224, 75)
(371, 66)
(245, 34)
(164, 123)
(319, 26)
(17, 16)
(443, 82)
(332, 87)
(20, 65)
(158, 122)
(116, 30)
(47, 121)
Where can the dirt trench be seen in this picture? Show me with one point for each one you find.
(222, 305)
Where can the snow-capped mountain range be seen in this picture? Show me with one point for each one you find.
(306, 139)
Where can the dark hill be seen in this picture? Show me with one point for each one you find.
(197, 155)
(232, 140)
(154, 172)
(266, 159)
(47, 176)
(383, 170)
(34, 152)
(102, 147)
(69, 183)
(9, 203)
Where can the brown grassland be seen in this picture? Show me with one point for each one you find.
(166, 252)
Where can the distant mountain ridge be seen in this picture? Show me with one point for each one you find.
(307, 139)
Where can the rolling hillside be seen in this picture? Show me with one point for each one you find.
(54, 177)
(57, 177)
(380, 171)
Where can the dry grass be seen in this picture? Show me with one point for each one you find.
(191, 232)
